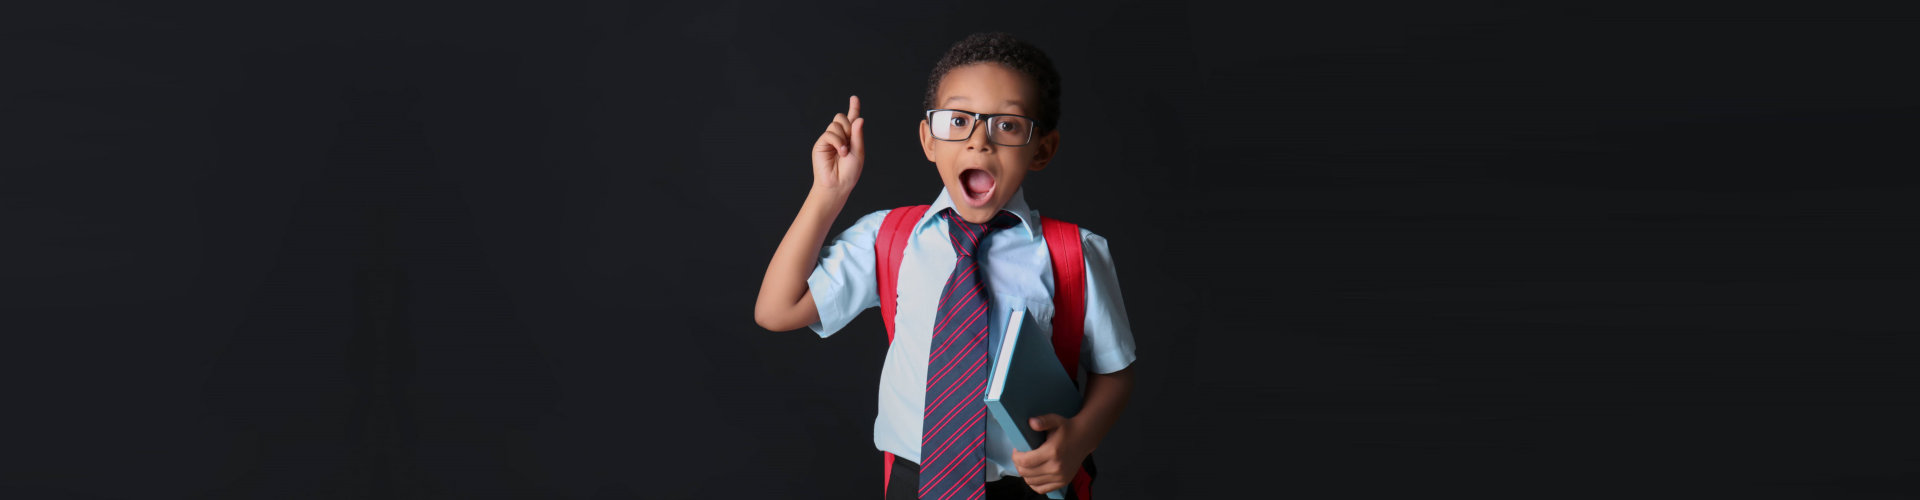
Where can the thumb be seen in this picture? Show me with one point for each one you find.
(860, 136)
(1046, 422)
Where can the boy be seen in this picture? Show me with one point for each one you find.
(976, 255)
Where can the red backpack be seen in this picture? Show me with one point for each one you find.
(1069, 299)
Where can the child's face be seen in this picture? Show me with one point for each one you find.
(980, 175)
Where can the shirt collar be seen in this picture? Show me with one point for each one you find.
(1029, 218)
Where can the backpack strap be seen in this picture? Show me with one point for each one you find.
(886, 473)
(1069, 292)
(888, 247)
(1069, 316)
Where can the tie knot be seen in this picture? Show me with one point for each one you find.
(966, 236)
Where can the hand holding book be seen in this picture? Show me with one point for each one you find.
(1029, 386)
(1050, 466)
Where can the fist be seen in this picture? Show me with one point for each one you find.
(841, 151)
(1053, 464)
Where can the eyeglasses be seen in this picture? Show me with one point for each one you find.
(955, 125)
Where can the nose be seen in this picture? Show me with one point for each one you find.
(978, 140)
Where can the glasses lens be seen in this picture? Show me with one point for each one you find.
(1010, 130)
(950, 125)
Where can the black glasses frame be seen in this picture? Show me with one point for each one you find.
(979, 118)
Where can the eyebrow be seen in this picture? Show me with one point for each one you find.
(1015, 102)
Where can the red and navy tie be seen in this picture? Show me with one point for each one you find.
(955, 422)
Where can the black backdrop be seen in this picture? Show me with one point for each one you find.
(374, 250)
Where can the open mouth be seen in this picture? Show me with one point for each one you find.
(977, 185)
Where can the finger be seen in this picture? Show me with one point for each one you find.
(839, 142)
(840, 120)
(831, 142)
(1025, 459)
(853, 107)
(860, 135)
(843, 127)
(1046, 422)
(1044, 483)
(1039, 457)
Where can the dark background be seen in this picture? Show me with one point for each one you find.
(379, 250)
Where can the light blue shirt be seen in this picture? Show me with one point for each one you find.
(1019, 276)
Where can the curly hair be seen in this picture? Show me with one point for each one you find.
(1016, 55)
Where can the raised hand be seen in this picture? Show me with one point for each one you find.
(841, 151)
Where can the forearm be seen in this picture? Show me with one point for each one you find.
(1106, 396)
(784, 303)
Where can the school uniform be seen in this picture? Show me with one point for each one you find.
(1018, 275)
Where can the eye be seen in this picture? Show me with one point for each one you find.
(959, 121)
(1008, 127)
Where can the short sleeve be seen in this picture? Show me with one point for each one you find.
(1107, 345)
(843, 283)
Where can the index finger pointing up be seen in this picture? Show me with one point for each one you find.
(853, 107)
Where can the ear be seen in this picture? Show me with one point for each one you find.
(1044, 149)
(926, 140)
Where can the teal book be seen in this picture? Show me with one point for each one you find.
(1027, 382)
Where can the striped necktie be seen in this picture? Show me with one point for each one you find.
(955, 421)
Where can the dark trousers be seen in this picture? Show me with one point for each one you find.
(904, 484)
